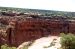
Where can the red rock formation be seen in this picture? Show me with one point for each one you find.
(31, 29)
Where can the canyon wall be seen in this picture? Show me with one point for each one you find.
(21, 29)
(31, 29)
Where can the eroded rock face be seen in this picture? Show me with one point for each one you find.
(21, 29)
(32, 29)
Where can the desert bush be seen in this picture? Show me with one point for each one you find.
(7, 47)
(67, 41)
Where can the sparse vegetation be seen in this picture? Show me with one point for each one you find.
(43, 12)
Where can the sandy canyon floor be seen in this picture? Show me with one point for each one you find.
(50, 42)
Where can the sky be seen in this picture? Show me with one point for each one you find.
(59, 5)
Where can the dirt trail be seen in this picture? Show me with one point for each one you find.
(44, 42)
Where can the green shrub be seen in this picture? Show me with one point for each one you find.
(7, 47)
(67, 41)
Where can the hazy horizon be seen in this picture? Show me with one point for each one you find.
(58, 5)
